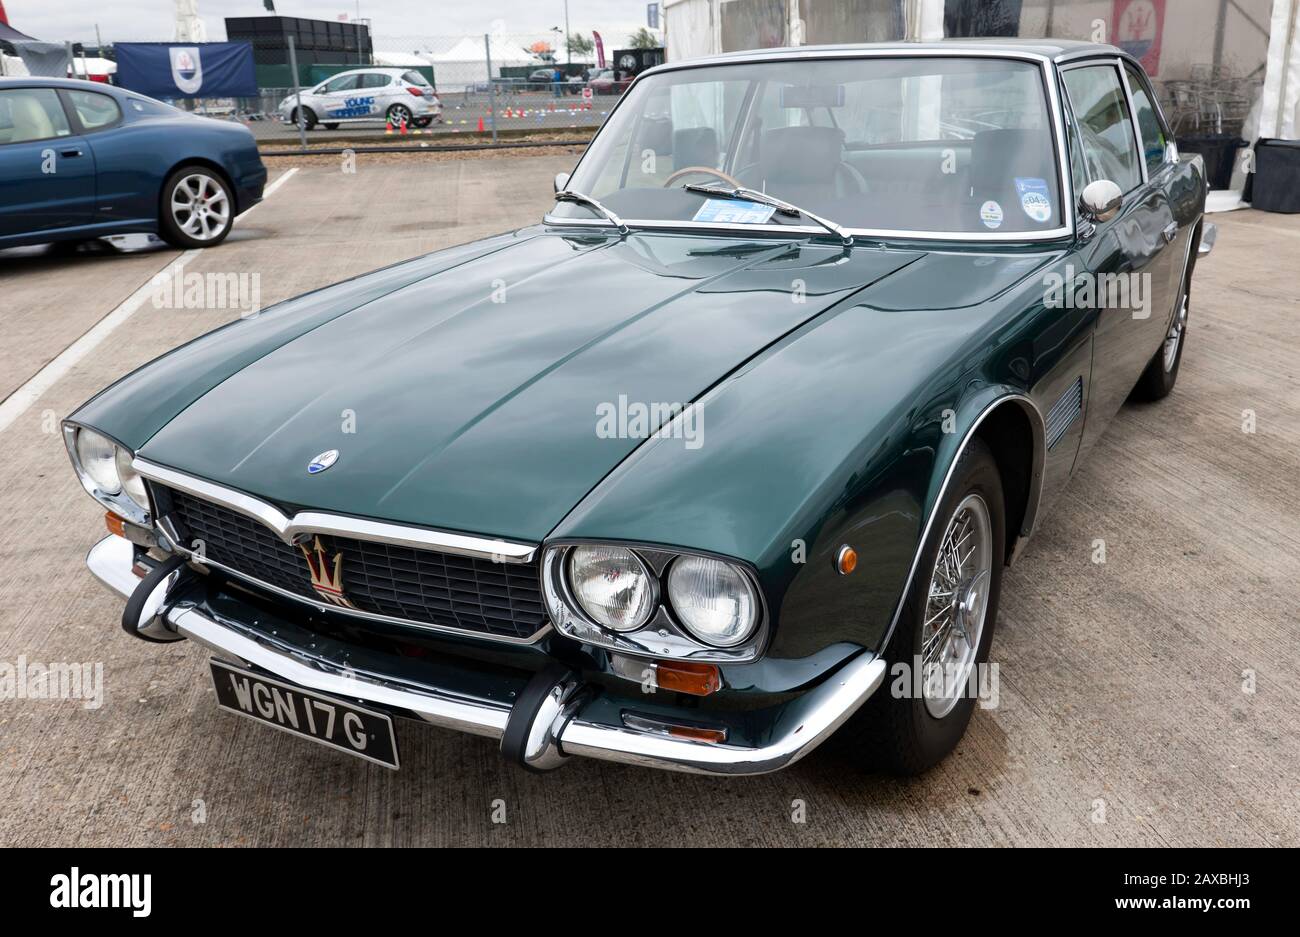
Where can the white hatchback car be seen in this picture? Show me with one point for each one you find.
(366, 94)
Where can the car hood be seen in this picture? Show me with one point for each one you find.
(492, 397)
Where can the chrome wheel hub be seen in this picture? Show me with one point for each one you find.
(1175, 337)
(199, 207)
(956, 606)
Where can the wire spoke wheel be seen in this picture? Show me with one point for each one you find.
(956, 606)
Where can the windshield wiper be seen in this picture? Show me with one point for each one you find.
(784, 207)
(569, 195)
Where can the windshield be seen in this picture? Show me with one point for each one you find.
(929, 144)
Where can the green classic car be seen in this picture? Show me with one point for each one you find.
(726, 453)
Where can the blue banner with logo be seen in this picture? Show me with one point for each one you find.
(187, 70)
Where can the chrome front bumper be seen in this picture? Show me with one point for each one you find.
(558, 728)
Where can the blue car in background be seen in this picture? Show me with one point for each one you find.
(81, 160)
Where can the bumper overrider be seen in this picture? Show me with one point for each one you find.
(540, 720)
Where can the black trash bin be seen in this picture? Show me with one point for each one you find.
(1219, 150)
(1276, 182)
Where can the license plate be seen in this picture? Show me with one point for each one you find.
(342, 726)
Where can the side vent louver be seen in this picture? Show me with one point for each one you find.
(1064, 412)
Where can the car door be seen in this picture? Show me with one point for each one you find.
(1123, 265)
(376, 92)
(337, 99)
(1161, 166)
(47, 172)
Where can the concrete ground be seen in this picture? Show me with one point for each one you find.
(1126, 712)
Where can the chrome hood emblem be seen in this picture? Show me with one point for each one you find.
(322, 462)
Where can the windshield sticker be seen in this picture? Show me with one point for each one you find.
(734, 211)
(991, 214)
(1033, 198)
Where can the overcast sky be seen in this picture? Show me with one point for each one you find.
(125, 20)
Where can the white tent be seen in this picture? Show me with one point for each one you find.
(400, 60)
(464, 65)
(91, 66)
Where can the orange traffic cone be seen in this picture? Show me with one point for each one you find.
(388, 128)
(403, 126)
(480, 125)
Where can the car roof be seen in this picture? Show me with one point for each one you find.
(35, 81)
(383, 69)
(1056, 50)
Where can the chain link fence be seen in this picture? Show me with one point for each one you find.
(391, 89)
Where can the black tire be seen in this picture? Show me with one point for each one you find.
(168, 225)
(1158, 380)
(397, 112)
(898, 734)
(423, 122)
(308, 118)
(330, 126)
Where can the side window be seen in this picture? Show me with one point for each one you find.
(31, 114)
(1153, 135)
(1101, 109)
(343, 83)
(94, 110)
(375, 80)
(1078, 171)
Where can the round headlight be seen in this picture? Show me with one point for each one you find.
(713, 599)
(132, 482)
(97, 456)
(612, 585)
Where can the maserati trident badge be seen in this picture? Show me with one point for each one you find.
(326, 574)
(322, 462)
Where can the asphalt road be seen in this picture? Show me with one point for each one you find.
(1123, 717)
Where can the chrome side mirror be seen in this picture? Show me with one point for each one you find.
(561, 181)
(1100, 201)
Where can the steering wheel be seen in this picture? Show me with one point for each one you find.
(705, 169)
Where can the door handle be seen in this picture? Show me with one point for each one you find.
(1171, 231)
(70, 153)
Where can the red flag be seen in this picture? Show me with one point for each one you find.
(4, 17)
(600, 51)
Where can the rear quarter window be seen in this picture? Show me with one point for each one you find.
(95, 111)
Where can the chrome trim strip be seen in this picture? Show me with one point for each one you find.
(1133, 121)
(319, 522)
(1046, 68)
(1031, 509)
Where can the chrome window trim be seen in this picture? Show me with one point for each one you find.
(319, 522)
(1047, 72)
(1149, 91)
(1116, 63)
(1133, 121)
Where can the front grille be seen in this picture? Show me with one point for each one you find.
(422, 586)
